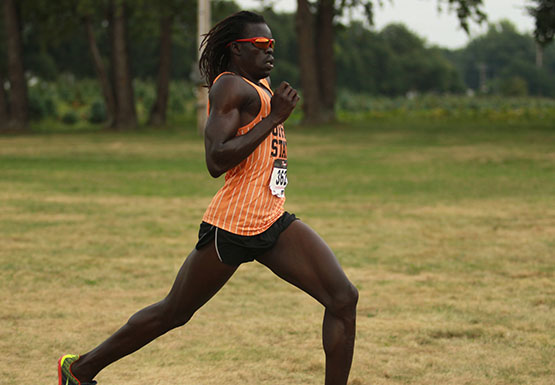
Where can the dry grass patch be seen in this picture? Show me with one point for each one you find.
(481, 153)
(453, 290)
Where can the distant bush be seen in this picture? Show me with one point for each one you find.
(514, 86)
(97, 112)
(70, 117)
(354, 106)
(182, 98)
(69, 100)
(41, 107)
(145, 94)
(42, 103)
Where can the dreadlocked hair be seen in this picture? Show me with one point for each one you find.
(215, 56)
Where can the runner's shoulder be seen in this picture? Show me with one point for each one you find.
(231, 87)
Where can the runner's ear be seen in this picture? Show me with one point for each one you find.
(234, 48)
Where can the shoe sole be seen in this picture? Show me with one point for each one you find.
(60, 370)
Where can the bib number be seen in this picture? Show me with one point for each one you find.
(278, 180)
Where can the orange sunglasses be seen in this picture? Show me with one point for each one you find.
(258, 42)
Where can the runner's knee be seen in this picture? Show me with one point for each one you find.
(162, 316)
(343, 303)
(175, 316)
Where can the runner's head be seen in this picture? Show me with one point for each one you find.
(221, 48)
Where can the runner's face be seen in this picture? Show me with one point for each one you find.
(258, 63)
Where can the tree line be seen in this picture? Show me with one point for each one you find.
(106, 39)
(116, 41)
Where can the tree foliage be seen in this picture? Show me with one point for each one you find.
(544, 13)
(506, 55)
(392, 62)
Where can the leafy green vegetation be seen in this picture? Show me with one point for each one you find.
(71, 100)
(70, 104)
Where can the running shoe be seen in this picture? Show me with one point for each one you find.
(65, 377)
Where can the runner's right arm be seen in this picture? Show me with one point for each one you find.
(230, 101)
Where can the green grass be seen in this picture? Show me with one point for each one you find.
(445, 225)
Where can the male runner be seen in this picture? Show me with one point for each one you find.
(245, 139)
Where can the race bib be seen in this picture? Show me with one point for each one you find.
(278, 180)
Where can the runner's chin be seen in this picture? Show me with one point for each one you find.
(266, 73)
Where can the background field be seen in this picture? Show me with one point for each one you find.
(446, 226)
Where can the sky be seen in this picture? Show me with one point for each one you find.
(422, 17)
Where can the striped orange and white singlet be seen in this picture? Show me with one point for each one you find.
(245, 205)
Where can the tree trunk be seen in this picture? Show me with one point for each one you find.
(539, 55)
(158, 111)
(126, 116)
(4, 116)
(18, 87)
(107, 91)
(326, 58)
(307, 59)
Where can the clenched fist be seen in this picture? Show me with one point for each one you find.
(284, 100)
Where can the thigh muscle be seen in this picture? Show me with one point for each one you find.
(302, 258)
(200, 277)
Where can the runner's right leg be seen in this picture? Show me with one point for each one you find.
(302, 258)
(200, 277)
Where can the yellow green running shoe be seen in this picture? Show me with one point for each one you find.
(65, 377)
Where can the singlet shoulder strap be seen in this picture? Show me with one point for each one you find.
(222, 74)
(266, 84)
(258, 88)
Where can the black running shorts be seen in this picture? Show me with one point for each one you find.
(235, 249)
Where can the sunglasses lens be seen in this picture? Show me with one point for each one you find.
(264, 43)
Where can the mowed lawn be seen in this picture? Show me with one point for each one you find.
(447, 228)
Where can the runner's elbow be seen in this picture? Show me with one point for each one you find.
(214, 168)
(217, 162)
(214, 172)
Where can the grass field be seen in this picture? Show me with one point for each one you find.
(446, 227)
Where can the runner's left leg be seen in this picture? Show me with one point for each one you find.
(200, 277)
(303, 259)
